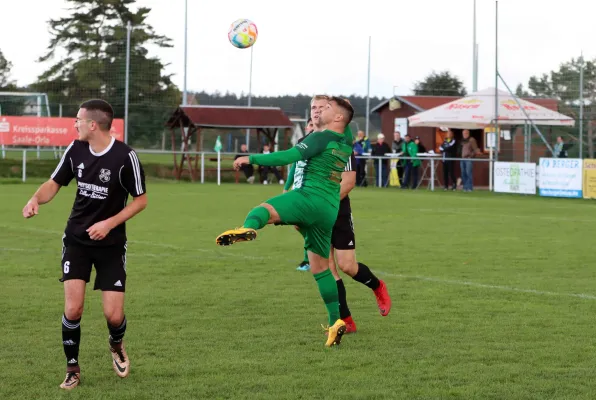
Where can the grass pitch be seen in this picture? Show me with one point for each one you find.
(493, 298)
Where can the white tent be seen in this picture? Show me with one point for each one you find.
(477, 111)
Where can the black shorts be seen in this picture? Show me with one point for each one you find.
(109, 262)
(342, 237)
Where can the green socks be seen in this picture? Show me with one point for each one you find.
(328, 290)
(306, 256)
(257, 218)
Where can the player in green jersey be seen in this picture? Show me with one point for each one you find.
(343, 238)
(313, 204)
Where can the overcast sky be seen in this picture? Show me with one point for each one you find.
(316, 46)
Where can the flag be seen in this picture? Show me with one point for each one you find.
(218, 144)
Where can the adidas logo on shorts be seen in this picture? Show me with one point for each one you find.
(118, 283)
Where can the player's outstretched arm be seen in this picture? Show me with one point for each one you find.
(44, 194)
(278, 158)
(312, 145)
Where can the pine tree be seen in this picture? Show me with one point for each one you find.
(88, 51)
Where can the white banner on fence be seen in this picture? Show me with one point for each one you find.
(513, 177)
(560, 177)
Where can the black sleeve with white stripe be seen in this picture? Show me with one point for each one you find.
(64, 172)
(132, 175)
(351, 164)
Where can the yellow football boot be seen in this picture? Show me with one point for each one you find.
(236, 235)
(335, 333)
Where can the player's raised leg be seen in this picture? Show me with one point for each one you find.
(74, 299)
(256, 219)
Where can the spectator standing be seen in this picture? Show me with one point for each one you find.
(449, 150)
(469, 150)
(379, 150)
(412, 164)
(398, 147)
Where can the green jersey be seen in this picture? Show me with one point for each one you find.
(324, 157)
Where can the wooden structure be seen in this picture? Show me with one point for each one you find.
(189, 121)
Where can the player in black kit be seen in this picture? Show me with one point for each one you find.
(106, 172)
(343, 249)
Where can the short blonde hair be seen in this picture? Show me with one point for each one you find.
(319, 97)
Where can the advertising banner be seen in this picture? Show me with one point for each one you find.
(45, 131)
(560, 177)
(589, 179)
(514, 177)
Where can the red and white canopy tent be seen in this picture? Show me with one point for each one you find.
(477, 111)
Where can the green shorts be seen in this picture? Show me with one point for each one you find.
(314, 216)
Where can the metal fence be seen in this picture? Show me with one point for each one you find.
(212, 166)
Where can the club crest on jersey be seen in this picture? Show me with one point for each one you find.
(104, 175)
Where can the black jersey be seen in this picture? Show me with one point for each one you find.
(104, 181)
(344, 205)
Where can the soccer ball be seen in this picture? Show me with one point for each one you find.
(243, 33)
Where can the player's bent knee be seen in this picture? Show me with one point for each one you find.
(273, 215)
(113, 307)
(73, 311)
(114, 316)
(346, 259)
(317, 262)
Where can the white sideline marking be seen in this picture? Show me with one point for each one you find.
(487, 286)
(471, 211)
(155, 244)
(401, 276)
(13, 249)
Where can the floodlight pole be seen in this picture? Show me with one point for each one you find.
(581, 107)
(474, 56)
(249, 96)
(127, 80)
(368, 89)
(490, 169)
(184, 94)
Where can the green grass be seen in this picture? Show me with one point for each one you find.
(493, 295)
